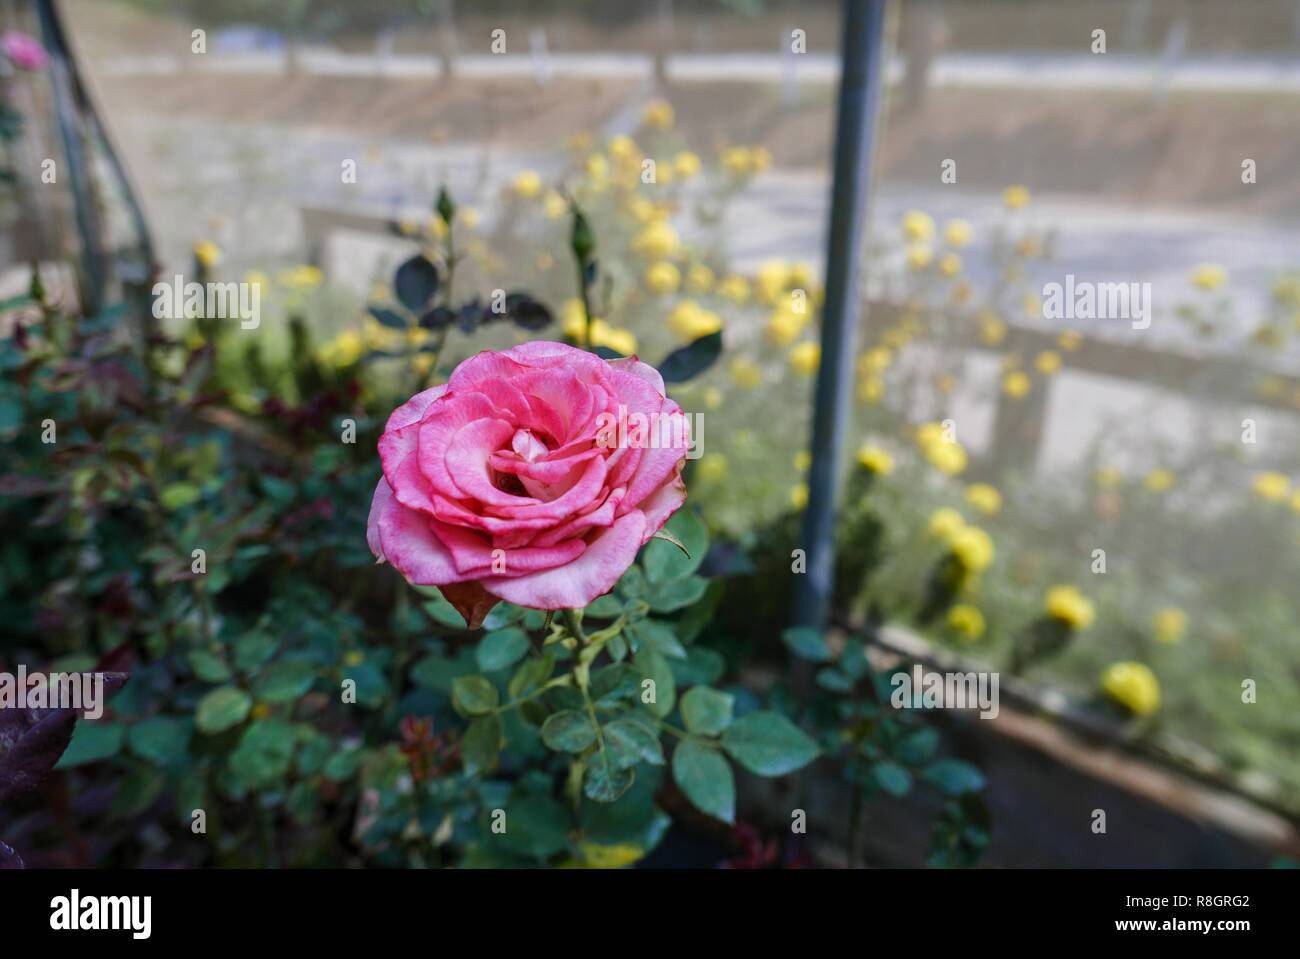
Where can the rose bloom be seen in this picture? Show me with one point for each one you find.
(533, 476)
(25, 52)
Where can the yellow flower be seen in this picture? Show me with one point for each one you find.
(875, 360)
(772, 280)
(713, 398)
(967, 620)
(948, 458)
(658, 115)
(919, 256)
(799, 495)
(1047, 362)
(689, 321)
(1015, 384)
(805, 357)
(918, 225)
(554, 205)
(1108, 477)
(1015, 197)
(623, 148)
(877, 460)
(984, 498)
(469, 217)
(657, 241)
(737, 161)
(699, 278)
(344, 350)
(1069, 606)
(1271, 487)
(991, 329)
(950, 264)
(1295, 501)
(783, 326)
(973, 548)
(662, 277)
(744, 373)
(1170, 624)
(945, 523)
(1209, 276)
(760, 158)
(573, 320)
(1069, 340)
(301, 277)
(957, 233)
(686, 164)
(871, 389)
(1133, 686)
(802, 460)
(258, 278)
(597, 167)
(929, 434)
(527, 184)
(207, 253)
(713, 468)
(734, 288)
(1159, 480)
(621, 341)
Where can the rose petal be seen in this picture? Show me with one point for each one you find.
(574, 585)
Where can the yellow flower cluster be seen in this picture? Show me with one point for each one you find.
(1067, 605)
(946, 456)
(689, 321)
(966, 620)
(1169, 625)
(878, 460)
(1133, 686)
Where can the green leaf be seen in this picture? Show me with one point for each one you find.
(209, 668)
(706, 711)
(634, 739)
(253, 649)
(91, 742)
(691, 360)
(415, 283)
(952, 777)
(651, 665)
(531, 675)
(615, 684)
(807, 643)
(704, 777)
(473, 696)
(768, 744)
(175, 496)
(664, 561)
(222, 708)
(892, 778)
(677, 594)
(282, 682)
(442, 612)
(264, 754)
(482, 744)
(568, 731)
(701, 667)
(917, 746)
(500, 649)
(659, 636)
(604, 780)
(160, 739)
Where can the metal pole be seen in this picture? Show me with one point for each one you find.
(855, 127)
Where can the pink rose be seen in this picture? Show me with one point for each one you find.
(534, 476)
(24, 51)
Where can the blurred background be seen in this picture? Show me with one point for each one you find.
(301, 146)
